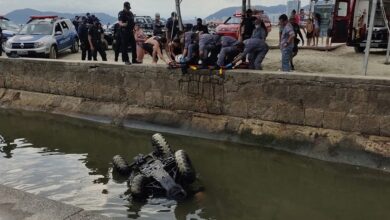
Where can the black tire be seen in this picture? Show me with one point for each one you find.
(121, 165)
(160, 145)
(75, 46)
(137, 186)
(53, 53)
(359, 49)
(185, 169)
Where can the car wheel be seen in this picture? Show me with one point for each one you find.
(160, 145)
(185, 169)
(121, 165)
(75, 47)
(53, 53)
(137, 186)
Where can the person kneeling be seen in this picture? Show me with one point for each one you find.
(154, 47)
(256, 49)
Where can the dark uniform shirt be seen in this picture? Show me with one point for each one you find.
(249, 26)
(158, 28)
(201, 27)
(117, 33)
(127, 17)
(96, 34)
(83, 32)
(173, 27)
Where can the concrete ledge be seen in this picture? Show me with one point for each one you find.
(18, 205)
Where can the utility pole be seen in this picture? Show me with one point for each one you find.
(249, 4)
(243, 7)
(178, 12)
(369, 37)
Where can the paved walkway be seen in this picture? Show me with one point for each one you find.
(18, 205)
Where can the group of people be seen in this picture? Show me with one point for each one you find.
(195, 45)
(311, 24)
(91, 36)
(192, 46)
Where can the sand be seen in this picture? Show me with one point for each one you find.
(343, 60)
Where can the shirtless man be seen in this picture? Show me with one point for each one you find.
(154, 47)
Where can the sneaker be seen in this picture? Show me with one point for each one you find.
(127, 63)
(137, 62)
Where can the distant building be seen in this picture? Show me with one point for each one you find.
(293, 5)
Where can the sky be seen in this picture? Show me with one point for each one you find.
(190, 8)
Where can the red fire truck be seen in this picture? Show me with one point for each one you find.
(351, 19)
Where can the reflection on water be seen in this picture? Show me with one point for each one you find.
(69, 160)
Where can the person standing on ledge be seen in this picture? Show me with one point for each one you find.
(286, 42)
(126, 23)
(95, 36)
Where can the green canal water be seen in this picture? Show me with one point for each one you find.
(69, 160)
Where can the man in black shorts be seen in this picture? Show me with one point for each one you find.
(126, 23)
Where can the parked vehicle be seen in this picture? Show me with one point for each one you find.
(146, 23)
(231, 27)
(9, 29)
(351, 24)
(43, 36)
(162, 172)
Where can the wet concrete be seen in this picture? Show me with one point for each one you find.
(19, 205)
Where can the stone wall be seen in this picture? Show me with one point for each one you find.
(353, 104)
(350, 104)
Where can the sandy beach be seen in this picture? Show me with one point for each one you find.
(342, 60)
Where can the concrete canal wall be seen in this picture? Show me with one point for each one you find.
(18, 205)
(338, 110)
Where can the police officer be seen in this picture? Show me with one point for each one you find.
(126, 23)
(230, 49)
(95, 36)
(158, 26)
(172, 26)
(199, 27)
(76, 22)
(116, 45)
(248, 24)
(84, 42)
(256, 49)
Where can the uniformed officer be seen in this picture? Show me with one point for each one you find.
(84, 42)
(158, 26)
(230, 49)
(256, 49)
(117, 41)
(209, 43)
(126, 23)
(199, 27)
(95, 36)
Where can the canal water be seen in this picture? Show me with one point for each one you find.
(69, 160)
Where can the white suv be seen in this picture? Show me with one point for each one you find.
(43, 36)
